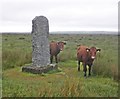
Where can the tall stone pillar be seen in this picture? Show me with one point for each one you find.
(40, 45)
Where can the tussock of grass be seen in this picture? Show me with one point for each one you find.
(20, 84)
(15, 57)
(104, 65)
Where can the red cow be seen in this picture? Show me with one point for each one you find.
(55, 48)
(86, 56)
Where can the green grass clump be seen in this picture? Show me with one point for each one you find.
(15, 57)
(15, 51)
(106, 65)
(66, 83)
(52, 84)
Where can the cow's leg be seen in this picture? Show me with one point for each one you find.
(56, 59)
(89, 70)
(78, 65)
(51, 59)
(85, 69)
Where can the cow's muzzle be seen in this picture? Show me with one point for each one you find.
(93, 57)
(61, 49)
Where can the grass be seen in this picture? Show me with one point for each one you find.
(66, 81)
(15, 57)
(56, 84)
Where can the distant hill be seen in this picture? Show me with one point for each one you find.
(84, 32)
(69, 32)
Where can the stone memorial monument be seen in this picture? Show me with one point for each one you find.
(40, 45)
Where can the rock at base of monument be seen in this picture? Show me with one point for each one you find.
(39, 70)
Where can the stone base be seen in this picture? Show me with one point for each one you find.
(39, 70)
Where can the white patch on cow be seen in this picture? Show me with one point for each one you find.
(87, 50)
(93, 57)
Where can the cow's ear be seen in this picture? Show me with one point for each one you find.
(98, 50)
(64, 43)
(87, 49)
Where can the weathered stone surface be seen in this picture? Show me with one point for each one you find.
(39, 70)
(41, 50)
(40, 43)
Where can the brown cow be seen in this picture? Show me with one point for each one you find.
(55, 48)
(86, 56)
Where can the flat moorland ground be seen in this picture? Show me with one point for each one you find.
(66, 81)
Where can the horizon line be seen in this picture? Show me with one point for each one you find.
(64, 31)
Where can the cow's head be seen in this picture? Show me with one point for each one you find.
(61, 45)
(92, 52)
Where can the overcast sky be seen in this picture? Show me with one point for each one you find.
(63, 15)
